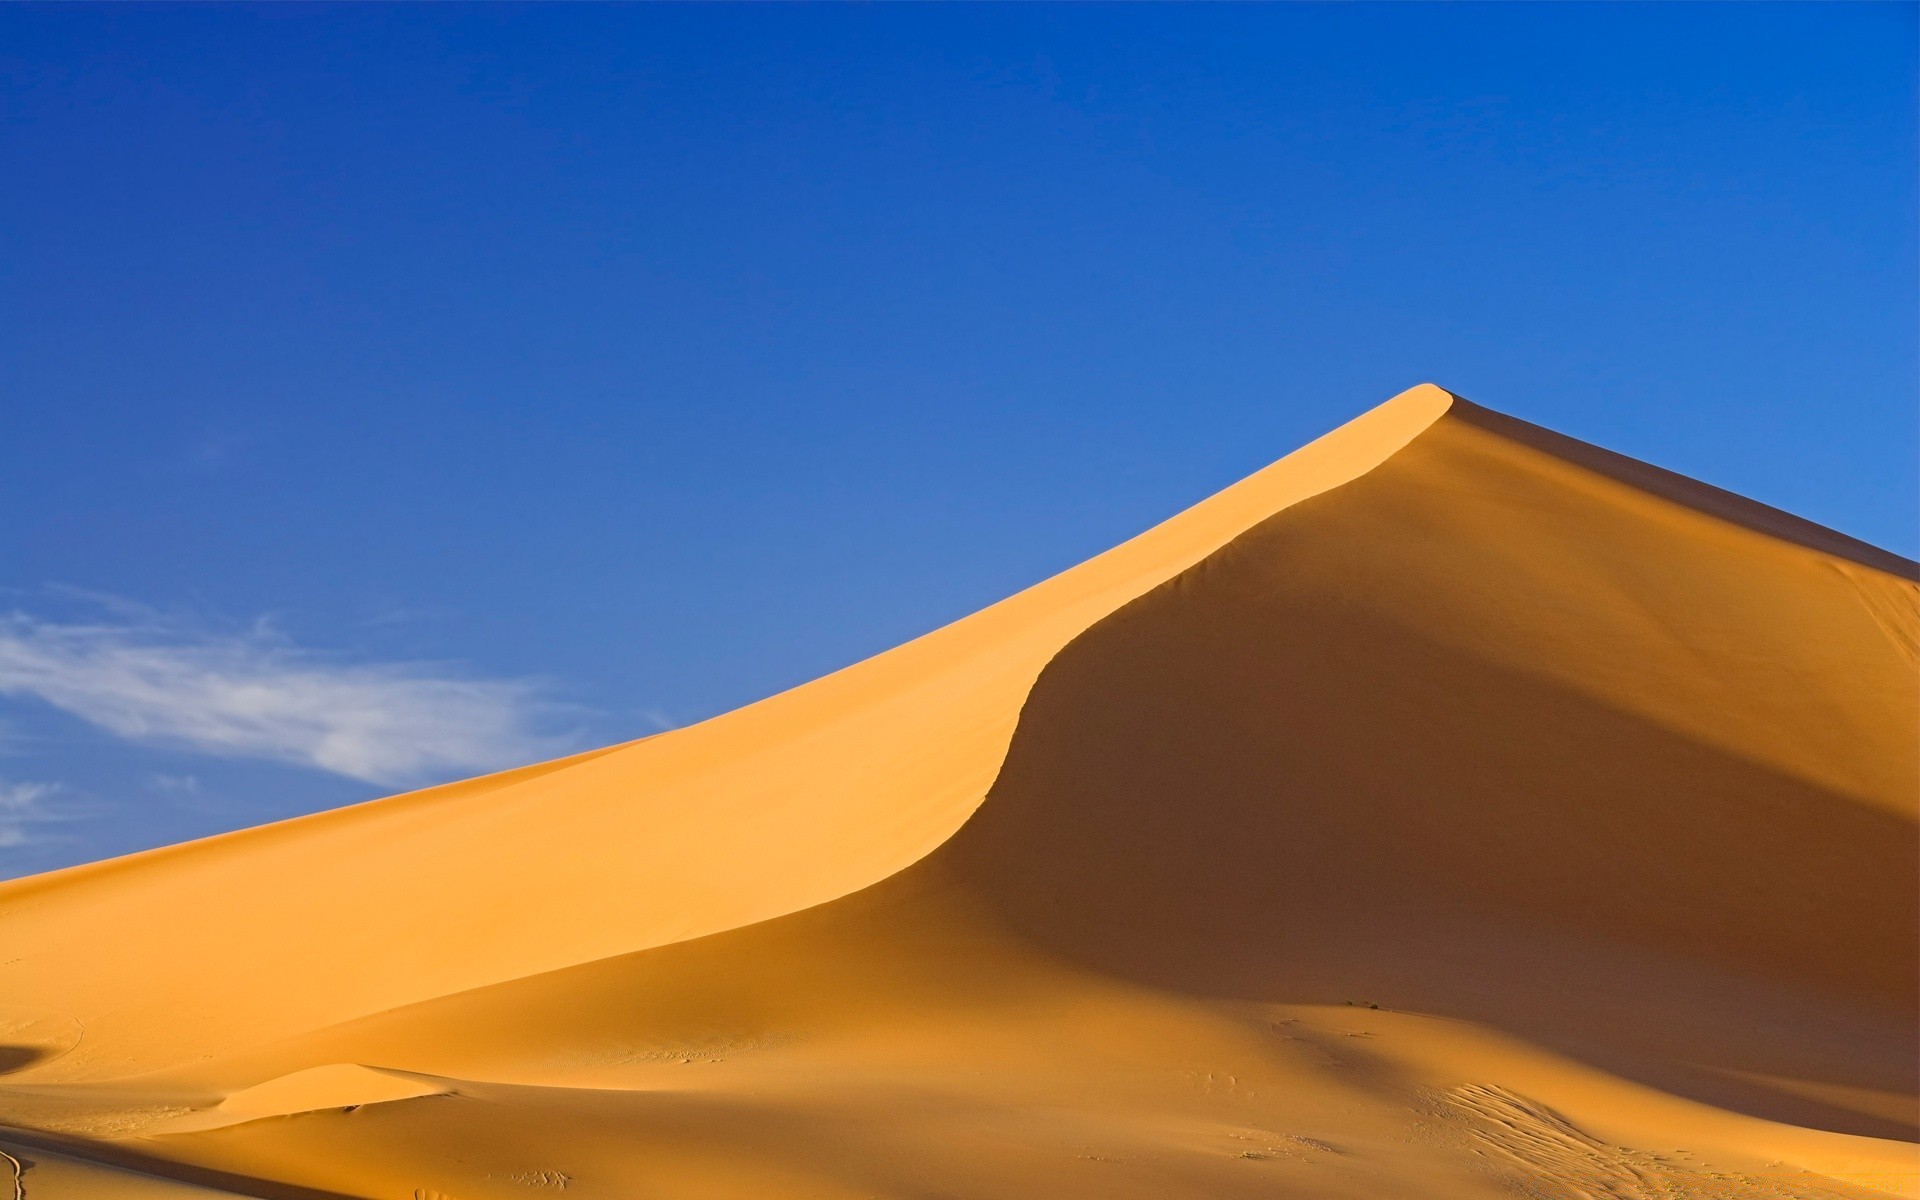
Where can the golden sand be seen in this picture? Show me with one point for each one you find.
(1451, 809)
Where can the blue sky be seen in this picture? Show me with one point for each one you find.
(392, 393)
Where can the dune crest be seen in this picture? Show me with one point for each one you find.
(1447, 808)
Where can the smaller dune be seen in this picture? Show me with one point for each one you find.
(336, 1085)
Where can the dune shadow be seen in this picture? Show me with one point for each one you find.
(129, 1159)
(1244, 789)
(16, 1058)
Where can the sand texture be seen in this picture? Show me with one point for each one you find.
(1451, 809)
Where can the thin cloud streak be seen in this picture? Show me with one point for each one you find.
(252, 694)
(20, 809)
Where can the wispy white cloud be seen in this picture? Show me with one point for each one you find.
(658, 718)
(21, 809)
(253, 694)
(175, 785)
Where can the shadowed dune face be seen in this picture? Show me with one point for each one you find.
(1177, 814)
(1305, 733)
(1308, 768)
(13, 1058)
(1449, 810)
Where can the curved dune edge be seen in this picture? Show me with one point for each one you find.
(778, 806)
(1448, 808)
(345, 1086)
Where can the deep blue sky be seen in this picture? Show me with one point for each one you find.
(672, 356)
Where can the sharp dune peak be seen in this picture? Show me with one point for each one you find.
(1447, 807)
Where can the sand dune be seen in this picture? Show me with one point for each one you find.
(1449, 810)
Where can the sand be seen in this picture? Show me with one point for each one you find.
(1451, 809)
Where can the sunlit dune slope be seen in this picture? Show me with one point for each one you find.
(1449, 808)
(786, 803)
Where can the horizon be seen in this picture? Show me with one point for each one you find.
(403, 393)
